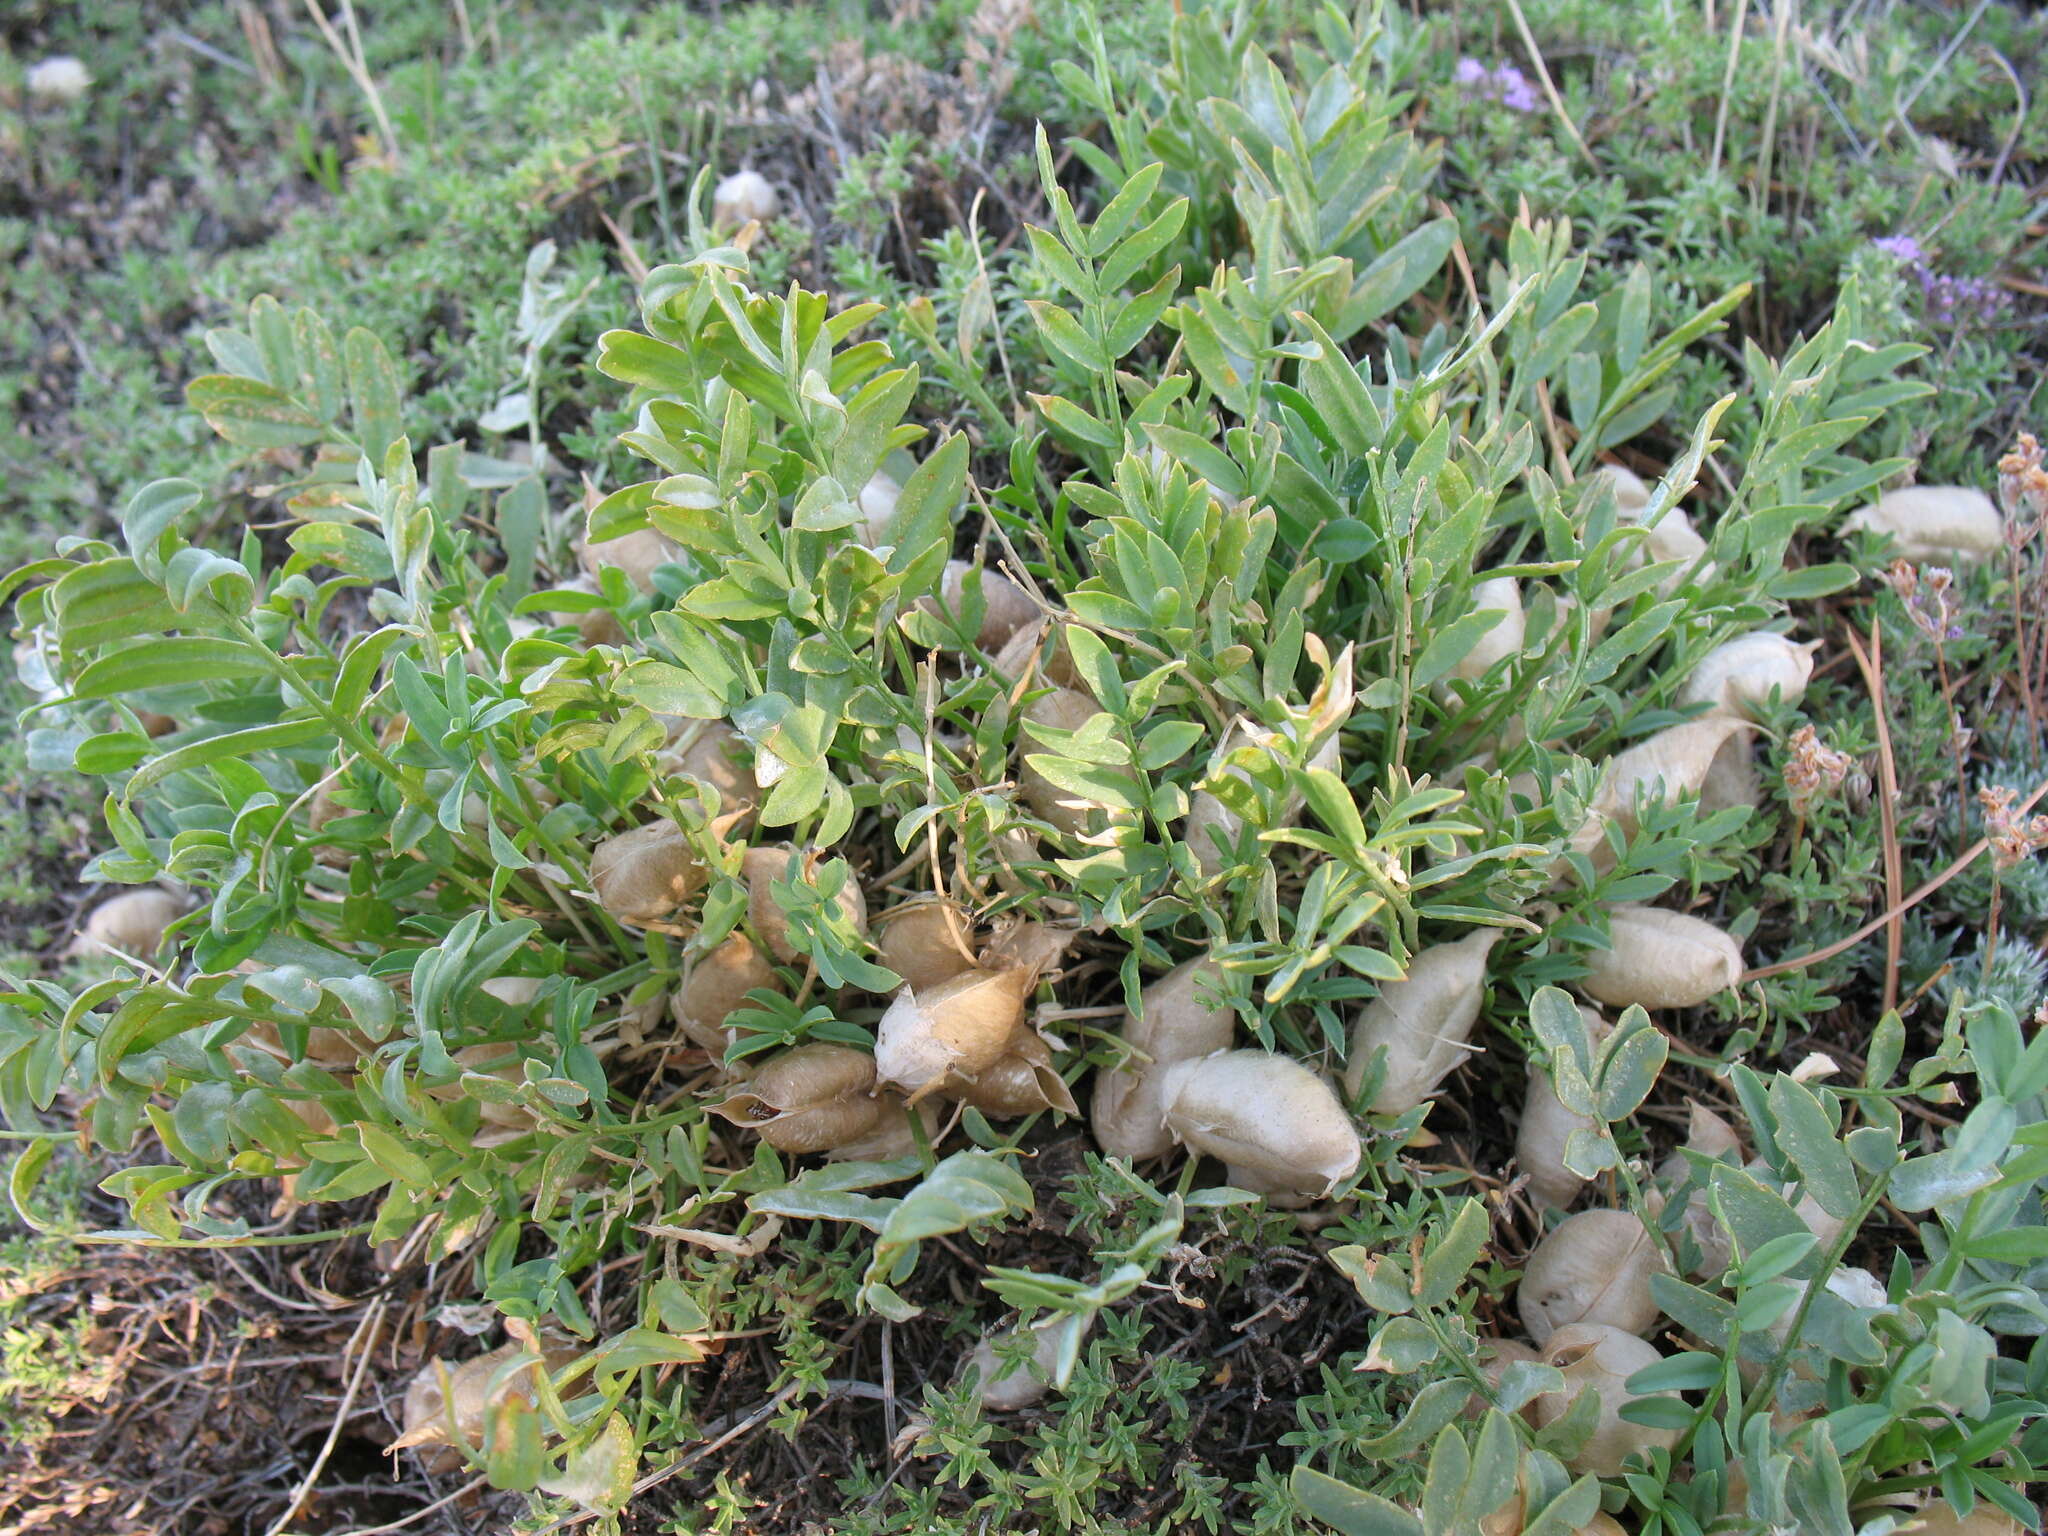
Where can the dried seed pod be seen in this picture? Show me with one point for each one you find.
(1594, 1268)
(1739, 678)
(1065, 710)
(513, 991)
(1631, 494)
(473, 1388)
(1663, 768)
(809, 1098)
(132, 924)
(1547, 1126)
(1422, 1022)
(642, 876)
(1212, 827)
(715, 987)
(891, 1136)
(1180, 1018)
(1505, 637)
(154, 724)
(1671, 536)
(761, 868)
(1938, 1519)
(1495, 1356)
(744, 197)
(963, 1025)
(713, 753)
(1006, 607)
(1262, 1112)
(877, 503)
(1732, 778)
(1018, 657)
(1006, 1388)
(1031, 947)
(1934, 522)
(1022, 1081)
(1599, 1359)
(60, 78)
(1661, 959)
(926, 941)
(636, 556)
(1706, 1133)
(1512, 1518)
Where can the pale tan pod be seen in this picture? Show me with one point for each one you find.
(1934, 522)
(642, 876)
(1263, 1112)
(1018, 1386)
(1178, 1019)
(1937, 1519)
(744, 197)
(1595, 1267)
(1026, 945)
(926, 941)
(761, 868)
(1505, 638)
(1707, 1133)
(1006, 607)
(1662, 768)
(1066, 710)
(1631, 494)
(713, 753)
(1661, 959)
(636, 556)
(1017, 655)
(1547, 1126)
(1732, 778)
(1022, 1081)
(513, 991)
(1422, 1022)
(891, 1137)
(809, 1098)
(877, 503)
(1495, 1356)
(716, 986)
(471, 1394)
(1599, 1359)
(964, 1024)
(1739, 677)
(132, 923)
(1212, 826)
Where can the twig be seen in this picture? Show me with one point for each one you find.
(1727, 86)
(1549, 89)
(1871, 664)
(357, 68)
(366, 1337)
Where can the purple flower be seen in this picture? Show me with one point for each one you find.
(1470, 71)
(1900, 247)
(1503, 83)
(1947, 298)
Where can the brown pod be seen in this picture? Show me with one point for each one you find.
(1663, 768)
(1547, 1127)
(1179, 1018)
(1594, 1268)
(1262, 1112)
(808, 1099)
(1938, 1519)
(1006, 607)
(132, 923)
(637, 555)
(1738, 678)
(644, 875)
(1661, 959)
(1018, 658)
(1599, 1359)
(1954, 523)
(1022, 1081)
(713, 753)
(761, 868)
(1065, 710)
(963, 1025)
(891, 1136)
(926, 941)
(715, 986)
(1422, 1022)
(466, 1393)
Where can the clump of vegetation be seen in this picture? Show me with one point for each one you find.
(1005, 822)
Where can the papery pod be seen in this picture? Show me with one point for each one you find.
(1599, 1359)
(1507, 634)
(1006, 1388)
(643, 876)
(1030, 947)
(1661, 959)
(926, 941)
(1006, 607)
(1494, 1357)
(1662, 768)
(1065, 710)
(1512, 1518)
(1934, 522)
(470, 1393)
(713, 753)
(1732, 778)
(327, 1047)
(1263, 1112)
(132, 924)
(507, 1122)
(1018, 659)
(1594, 1268)
(877, 502)
(637, 556)
(1708, 1134)
(1422, 1021)
(808, 1099)
(1180, 1018)
(761, 868)
(1022, 1081)
(513, 991)
(1938, 1519)
(963, 1025)
(714, 987)
(744, 197)
(1738, 678)
(1211, 826)
(1671, 537)
(1547, 1126)
(891, 1136)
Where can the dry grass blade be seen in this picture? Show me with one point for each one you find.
(1871, 664)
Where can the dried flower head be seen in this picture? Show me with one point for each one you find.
(1812, 769)
(2023, 490)
(2013, 836)
(1929, 595)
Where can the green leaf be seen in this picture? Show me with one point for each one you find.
(152, 510)
(248, 743)
(1447, 1260)
(250, 413)
(167, 661)
(351, 550)
(1805, 1135)
(1350, 1510)
(372, 394)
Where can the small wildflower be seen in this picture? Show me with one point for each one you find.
(59, 78)
(2013, 838)
(1503, 83)
(1900, 247)
(2023, 484)
(1947, 297)
(1929, 597)
(1811, 769)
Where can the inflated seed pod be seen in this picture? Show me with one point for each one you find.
(1422, 1022)
(1065, 710)
(644, 875)
(1006, 607)
(926, 941)
(1495, 1356)
(1595, 1267)
(807, 1099)
(877, 503)
(513, 991)
(1547, 1126)
(1732, 778)
(963, 1025)
(1599, 1359)
(1212, 826)
(1028, 946)
(132, 923)
(713, 753)
(472, 1389)
(891, 1136)
(716, 986)
(1661, 959)
(1662, 768)
(744, 197)
(1706, 1133)
(1179, 1018)
(1006, 1388)
(1266, 1113)
(1505, 638)
(1671, 537)
(1938, 1519)
(1934, 522)
(636, 556)
(1739, 678)
(1022, 1081)
(154, 724)
(1512, 1518)
(761, 868)
(1018, 657)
